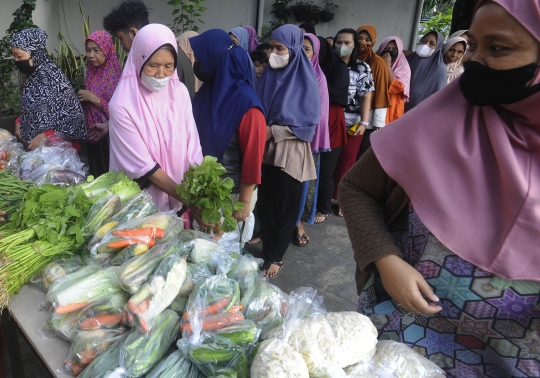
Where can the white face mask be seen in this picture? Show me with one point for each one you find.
(278, 61)
(344, 51)
(153, 83)
(424, 51)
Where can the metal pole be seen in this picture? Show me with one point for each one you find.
(416, 24)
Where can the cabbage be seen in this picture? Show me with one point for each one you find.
(276, 359)
(355, 334)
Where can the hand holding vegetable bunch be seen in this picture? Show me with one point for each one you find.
(203, 188)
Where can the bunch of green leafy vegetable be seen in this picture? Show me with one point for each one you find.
(204, 188)
(111, 183)
(52, 212)
(12, 191)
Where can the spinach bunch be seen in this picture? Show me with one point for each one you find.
(204, 188)
(53, 212)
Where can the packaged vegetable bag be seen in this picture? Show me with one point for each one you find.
(103, 314)
(55, 270)
(106, 362)
(176, 365)
(159, 292)
(275, 358)
(139, 269)
(87, 345)
(140, 352)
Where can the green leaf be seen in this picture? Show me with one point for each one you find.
(229, 224)
(70, 210)
(239, 206)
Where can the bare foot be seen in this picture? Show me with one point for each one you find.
(273, 270)
(255, 240)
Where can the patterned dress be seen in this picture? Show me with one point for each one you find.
(489, 326)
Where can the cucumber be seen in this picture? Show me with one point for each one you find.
(203, 355)
(240, 337)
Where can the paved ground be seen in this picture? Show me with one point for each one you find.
(325, 264)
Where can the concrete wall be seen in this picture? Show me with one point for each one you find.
(390, 17)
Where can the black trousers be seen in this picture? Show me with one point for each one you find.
(326, 179)
(278, 204)
(98, 157)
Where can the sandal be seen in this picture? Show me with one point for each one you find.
(268, 264)
(339, 212)
(321, 216)
(300, 240)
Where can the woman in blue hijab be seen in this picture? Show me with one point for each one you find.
(228, 113)
(290, 96)
(240, 36)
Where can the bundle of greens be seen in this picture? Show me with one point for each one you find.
(50, 222)
(204, 188)
(12, 191)
(111, 183)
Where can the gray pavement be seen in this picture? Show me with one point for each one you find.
(326, 264)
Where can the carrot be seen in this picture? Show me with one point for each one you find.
(144, 325)
(136, 309)
(213, 309)
(98, 321)
(77, 369)
(126, 242)
(86, 356)
(60, 310)
(213, 323)
(236, 308)
(151, 232)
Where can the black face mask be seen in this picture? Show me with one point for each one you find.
(25, 67)
(202, 75)
(482, 86)
(393, 54)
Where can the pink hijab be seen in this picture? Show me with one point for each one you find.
(472, 172)
(148, 128)
(102, 81)
(321, 139)
(253, 42)
(400, 67)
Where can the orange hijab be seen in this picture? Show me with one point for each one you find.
(381, 77)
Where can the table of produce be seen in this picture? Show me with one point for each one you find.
(139, 295)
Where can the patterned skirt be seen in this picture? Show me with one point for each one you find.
(489, 326)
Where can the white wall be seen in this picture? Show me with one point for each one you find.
(390, 17)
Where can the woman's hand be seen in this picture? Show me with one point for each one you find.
(87, 96)
(241, 215)
(97, 131)
(387, 59)
(360, 130)
(406, 285)
(36, 141)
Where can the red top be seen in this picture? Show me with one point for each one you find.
(252, 139)
(50, 134)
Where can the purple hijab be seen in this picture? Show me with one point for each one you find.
(290, 95)
(253, 42)
(473, 172)
(428, 75)
(321, 139)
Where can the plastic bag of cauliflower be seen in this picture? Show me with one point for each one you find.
(276, 359)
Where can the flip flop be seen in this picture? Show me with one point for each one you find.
(300, 240)
(279, 264)
(339, 212)
(321, 215)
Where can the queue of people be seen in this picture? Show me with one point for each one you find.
(432, 156)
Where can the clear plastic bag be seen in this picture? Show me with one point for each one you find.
(103, 314)
(247, 265)
(196, 274)
(59, 176)
(63, 326)
(155, 229)
(275, 358)
(214, 296)
(138, 270)
(100, 284)
(65, 282)
(217, 355)
(159, 292)
(245, 334)
(106, 362)
(9, 149)
(263, 303)
(139, 206)
(87, 345)
(397, 360)
(55, 270)
(176, 365)
(100, 212)
(141, 351)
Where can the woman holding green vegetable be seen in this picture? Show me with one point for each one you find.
(152, 131)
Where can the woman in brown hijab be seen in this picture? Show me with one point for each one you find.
(380, 102)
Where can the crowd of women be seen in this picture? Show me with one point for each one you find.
(443, 200)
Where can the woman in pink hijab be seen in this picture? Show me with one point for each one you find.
(391, 50)
(444, 211)
(152, 131)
